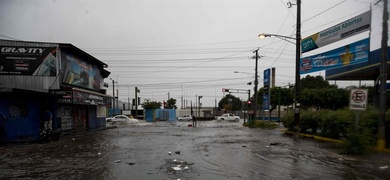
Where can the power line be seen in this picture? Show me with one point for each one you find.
(9, 37)
(324, 11)
(147, 47)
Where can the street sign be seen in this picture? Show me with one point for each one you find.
(358, 99)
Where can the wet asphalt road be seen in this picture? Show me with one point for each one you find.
(163, 150)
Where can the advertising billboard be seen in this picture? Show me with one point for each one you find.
(80, 73)
(353, 26)
(353, 53)
(27, 60)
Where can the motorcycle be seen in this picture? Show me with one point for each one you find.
(50, 135)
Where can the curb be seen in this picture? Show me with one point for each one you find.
(328, 140)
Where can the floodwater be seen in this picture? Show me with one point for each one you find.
(163, 150)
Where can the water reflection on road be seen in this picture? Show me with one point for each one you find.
(172, 150)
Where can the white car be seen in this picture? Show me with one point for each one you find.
(185, 118)
(228, 117)
(122, 118)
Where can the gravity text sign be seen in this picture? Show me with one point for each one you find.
(358, 99)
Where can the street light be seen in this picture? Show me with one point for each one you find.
(297, 58)
(237, 72)
(286, 38)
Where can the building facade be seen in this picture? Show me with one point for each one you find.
(61, 78)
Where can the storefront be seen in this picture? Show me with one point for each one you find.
(24, 111)
(80, 109)
(58, 77)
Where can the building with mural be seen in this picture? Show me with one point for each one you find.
(59, 77)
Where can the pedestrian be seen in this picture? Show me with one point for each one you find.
(194, 121)
(47, 120)
(3, 128)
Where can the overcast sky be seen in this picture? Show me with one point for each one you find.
(185, 48)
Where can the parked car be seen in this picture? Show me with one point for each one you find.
(122, 118)
(228, 117)
(185, 118)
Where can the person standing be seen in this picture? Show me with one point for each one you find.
(3, 128)
(194, 121)
(47, 120)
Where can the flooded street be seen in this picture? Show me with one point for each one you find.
(163, 150)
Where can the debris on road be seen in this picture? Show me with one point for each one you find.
(274, 143)
(117, 161)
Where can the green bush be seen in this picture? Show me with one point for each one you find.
(262, 124)
(341, 125)
(288, 121)
(329, 126)
(357, 141)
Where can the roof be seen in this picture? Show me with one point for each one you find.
(362, 71)
(101, 65)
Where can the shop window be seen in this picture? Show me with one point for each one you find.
(101, 111)
(18, 110)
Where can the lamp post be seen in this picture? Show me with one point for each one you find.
(297, 58)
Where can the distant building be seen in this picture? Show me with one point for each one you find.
(61, 78)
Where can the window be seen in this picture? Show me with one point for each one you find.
(18, 110)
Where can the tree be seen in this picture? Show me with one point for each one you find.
(147, 104)
(230, 102)
(171, 104)
(324, 98)
(313, 82)
(317, 93)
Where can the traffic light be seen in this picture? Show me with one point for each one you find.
(249, 103)
(133, 102)
(139, 100)
(225, 90)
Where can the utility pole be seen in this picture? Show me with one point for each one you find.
(255, 90)
(117, 97)
(297, 73)
(128, 96)
(113, 94)
(199, 97)
(136, 102)
(248, 104)
(381, 142)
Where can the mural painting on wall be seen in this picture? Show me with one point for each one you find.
(80, 73)
(26, 60)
